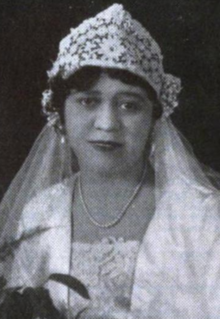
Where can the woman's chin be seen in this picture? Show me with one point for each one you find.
(109, 162)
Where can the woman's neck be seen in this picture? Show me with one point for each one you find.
(128, 177)
(107, 199)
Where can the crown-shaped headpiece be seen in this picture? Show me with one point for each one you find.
(112, 39)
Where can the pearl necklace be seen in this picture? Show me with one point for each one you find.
(122, 213)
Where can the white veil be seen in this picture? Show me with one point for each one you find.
(48, 163)
(173, 158)
(177, 273)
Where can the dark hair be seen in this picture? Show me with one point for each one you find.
(87, 76)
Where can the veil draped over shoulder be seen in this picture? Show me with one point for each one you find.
(177, 274)
(177, 270)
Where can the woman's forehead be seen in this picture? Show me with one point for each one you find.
(108, 85)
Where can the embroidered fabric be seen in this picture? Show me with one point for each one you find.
(107, 269)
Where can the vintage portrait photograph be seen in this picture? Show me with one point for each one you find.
(110, 159)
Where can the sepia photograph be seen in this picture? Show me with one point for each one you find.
(110, 159)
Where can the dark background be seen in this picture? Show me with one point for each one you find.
(188, 32)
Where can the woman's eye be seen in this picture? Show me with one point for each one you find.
(130, 106)
(87, 101)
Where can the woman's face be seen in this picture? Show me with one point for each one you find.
(108, 125)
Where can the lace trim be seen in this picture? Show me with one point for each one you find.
(107, 269)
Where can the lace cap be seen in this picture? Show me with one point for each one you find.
(112, 39)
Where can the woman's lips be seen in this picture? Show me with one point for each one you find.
(105, 145)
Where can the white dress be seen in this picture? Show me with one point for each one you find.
(173, 273)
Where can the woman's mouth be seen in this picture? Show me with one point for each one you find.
(105, 145)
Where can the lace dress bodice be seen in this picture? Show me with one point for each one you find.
(107, 269)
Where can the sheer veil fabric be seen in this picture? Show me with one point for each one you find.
(177, 270)
(177, 273)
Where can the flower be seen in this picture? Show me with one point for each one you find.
(119, 16)
(69, 59)
(84, 55)
(156, 77)
(154, 65)
(74, 60)
(91, 34)
(111, 49)
(148, 54)
(47, 97)
(81, 40)
(141, 46)
(113, 29)
(102, 31)
(97, 41)
(128, 25)
(90, 47)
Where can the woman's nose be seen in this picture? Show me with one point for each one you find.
(107, 118)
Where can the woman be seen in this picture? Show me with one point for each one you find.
(113, 192)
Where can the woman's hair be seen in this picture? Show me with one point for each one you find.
(86, 77)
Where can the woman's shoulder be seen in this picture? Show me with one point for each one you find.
(49, 196)
(49, 206)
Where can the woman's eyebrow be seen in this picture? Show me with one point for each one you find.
(95, 92)
(132, 94)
